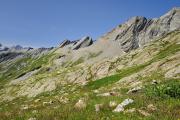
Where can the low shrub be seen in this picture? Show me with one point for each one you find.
(170, 88)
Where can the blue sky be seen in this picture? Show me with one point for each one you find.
(45, 23)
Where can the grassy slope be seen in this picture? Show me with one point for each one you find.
(167, 100)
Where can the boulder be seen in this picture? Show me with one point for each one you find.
(81, 104)
(121, 106)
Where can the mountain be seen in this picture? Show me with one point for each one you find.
(132, 72)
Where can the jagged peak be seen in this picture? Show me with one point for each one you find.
(76, 44)
(134, 20)
(173, 11)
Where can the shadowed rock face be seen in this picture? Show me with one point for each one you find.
(77, 44)
(84, 42)
(64, 43)
(138, 31)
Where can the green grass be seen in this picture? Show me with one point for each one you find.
(165, 96)
(114, 78)
(167, 51)
(16, 70)
(68, 112)
(168, 88)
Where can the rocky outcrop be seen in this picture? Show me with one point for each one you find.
(138, 31)
(84, 42)
(64, 43)
(77, 44)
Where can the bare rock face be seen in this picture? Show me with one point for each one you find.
(77, 44)
(138, 31)
(84, 42)
(64, 43)
(128, 38)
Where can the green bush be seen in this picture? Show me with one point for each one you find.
(170, 88)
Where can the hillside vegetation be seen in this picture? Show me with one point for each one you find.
(48, 94)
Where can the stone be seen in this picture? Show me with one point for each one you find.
(108, 94)
(154, 82)
(48, 103)
(114, 94)
(37, 100)
(32, 118)
(151, 107)
(81, 104)
(96, 91)
(126, 102)
(121, 106)
(112, 104)
(25, 107)
(144, 113)
(104, 94)
(98, 107)
(134, 90)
